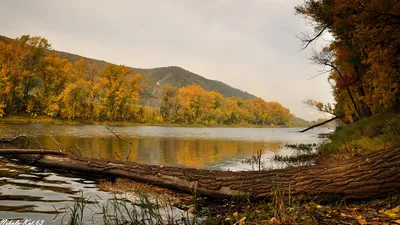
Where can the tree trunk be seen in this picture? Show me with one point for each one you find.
(320, 124)
(370, 176)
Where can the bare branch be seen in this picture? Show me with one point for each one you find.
(319, 74)
(307, 40)
(80, 150)
(58, 144)
(325, 58)
(321, 110)
(130, 144)
(40, 144)
(320, 124)
(113, 132)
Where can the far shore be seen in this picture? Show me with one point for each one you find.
(42, 119)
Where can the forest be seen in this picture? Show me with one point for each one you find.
(36, 81)
(363, 60)
(353, 178)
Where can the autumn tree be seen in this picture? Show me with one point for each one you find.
(192, 104)
(12, 72)
(364, 55)
(169, 105)
(34, 79)
(120, 92)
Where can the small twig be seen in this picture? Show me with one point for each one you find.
(80, 150)
(58, 144)
(113, 132)
(119, 157)
(38, 158)
(56, 212)
(108, 158)
(130, 144)
(129, 151)
(40, 144)
(71, 151)
(259, 159)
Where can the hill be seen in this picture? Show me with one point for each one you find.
(153, 79)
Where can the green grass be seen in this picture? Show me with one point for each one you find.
(365, 136)
(120, 210)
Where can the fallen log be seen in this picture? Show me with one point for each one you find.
(17, 151)
(320, 124)
(370, 176)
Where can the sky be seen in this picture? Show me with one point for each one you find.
(251, 45)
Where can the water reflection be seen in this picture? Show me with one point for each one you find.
(216, 148)
(29, 192)
(32, 193)
(163, 151)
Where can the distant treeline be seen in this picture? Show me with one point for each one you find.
(192, 104)
(35, 80)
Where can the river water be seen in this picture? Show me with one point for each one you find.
(32, 193)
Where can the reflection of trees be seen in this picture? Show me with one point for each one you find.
(199, 153)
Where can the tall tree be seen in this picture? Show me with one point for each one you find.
(365, 53)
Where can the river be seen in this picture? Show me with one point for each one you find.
(29, 192)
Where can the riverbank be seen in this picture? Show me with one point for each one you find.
(42, 119)
(360, 138)
(381, 131)
(280, 210)
(276, 210)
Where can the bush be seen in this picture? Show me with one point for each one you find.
(365, 136)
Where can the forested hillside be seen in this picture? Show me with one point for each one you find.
(153, 78)
(37, 80)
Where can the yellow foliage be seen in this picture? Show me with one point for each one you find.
(2, 106)
(392, 213)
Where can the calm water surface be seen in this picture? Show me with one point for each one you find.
(210, 148)
(29, 192)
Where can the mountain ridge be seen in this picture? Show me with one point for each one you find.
(177, 77)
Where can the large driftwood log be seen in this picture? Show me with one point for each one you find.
(370, 176)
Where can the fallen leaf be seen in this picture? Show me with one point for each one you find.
(392, 213)
(344, 215)
(242, 221)
(361, 220)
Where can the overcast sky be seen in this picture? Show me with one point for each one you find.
(250, 45)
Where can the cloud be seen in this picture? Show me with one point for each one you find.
(250, 45)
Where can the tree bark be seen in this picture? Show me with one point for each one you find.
(370, 176)
(18, 151)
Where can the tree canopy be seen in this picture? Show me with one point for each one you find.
(36, 80)
(364, 57)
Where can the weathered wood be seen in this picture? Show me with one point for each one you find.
(320, 124)
(17, 151)
(374, 175)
